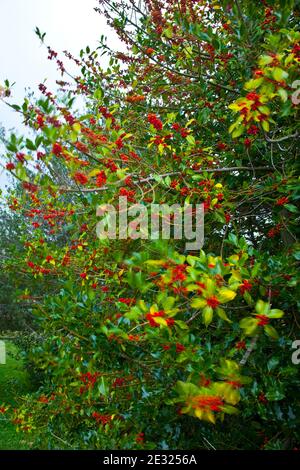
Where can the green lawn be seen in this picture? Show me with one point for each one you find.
(14, 381)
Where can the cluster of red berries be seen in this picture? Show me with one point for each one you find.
(155, 121)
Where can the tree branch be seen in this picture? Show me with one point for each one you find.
(281, 139)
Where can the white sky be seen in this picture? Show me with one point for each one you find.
(69, 24)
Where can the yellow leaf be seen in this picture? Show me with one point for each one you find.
(76, 127)
(160, 149)
(233, 259)
(232, 396)
(225, 295)
(198, 413)
(154, 262)
(209, 416)
(235, 276)
(237, 105)
(94, 173)
(154, 308)
(160, 321)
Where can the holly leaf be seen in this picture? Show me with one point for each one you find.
(198, 303)
(207, 315)
(249, 325)
(225, 295)
(270, 331)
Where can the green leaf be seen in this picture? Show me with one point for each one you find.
(264, 110)
(248, 298)
(207, 315)
(239, 131)
(181, 324)
(91, 294)
(262, 307)
(30, 145)
(198, 303)
(203, 36)
(168, 32)
(230, 409)
(272, 363)
(233, 239)
(265, 60)
(283, 94)
(275, 313)
(168, 303)
(255, 269)
(134, 49)
(103, 387)
(270, 331)
(275, 395)
(133, 314)
(21, 173)
(253, 84)
(291, 208)
(279, 74)
(98, 94)
(192, 260)
(266, 126)
(191, 140)
(186, 389)
(222, 314)
(249, 325)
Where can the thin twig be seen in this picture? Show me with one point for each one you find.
(281, 139)
(249, 351)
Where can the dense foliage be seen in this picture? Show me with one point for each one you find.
(147, 345)
(14, 313)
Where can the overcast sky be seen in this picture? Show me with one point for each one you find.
(69, 24)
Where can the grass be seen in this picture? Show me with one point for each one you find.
(14, 382)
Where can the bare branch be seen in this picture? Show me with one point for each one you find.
(281, 139)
